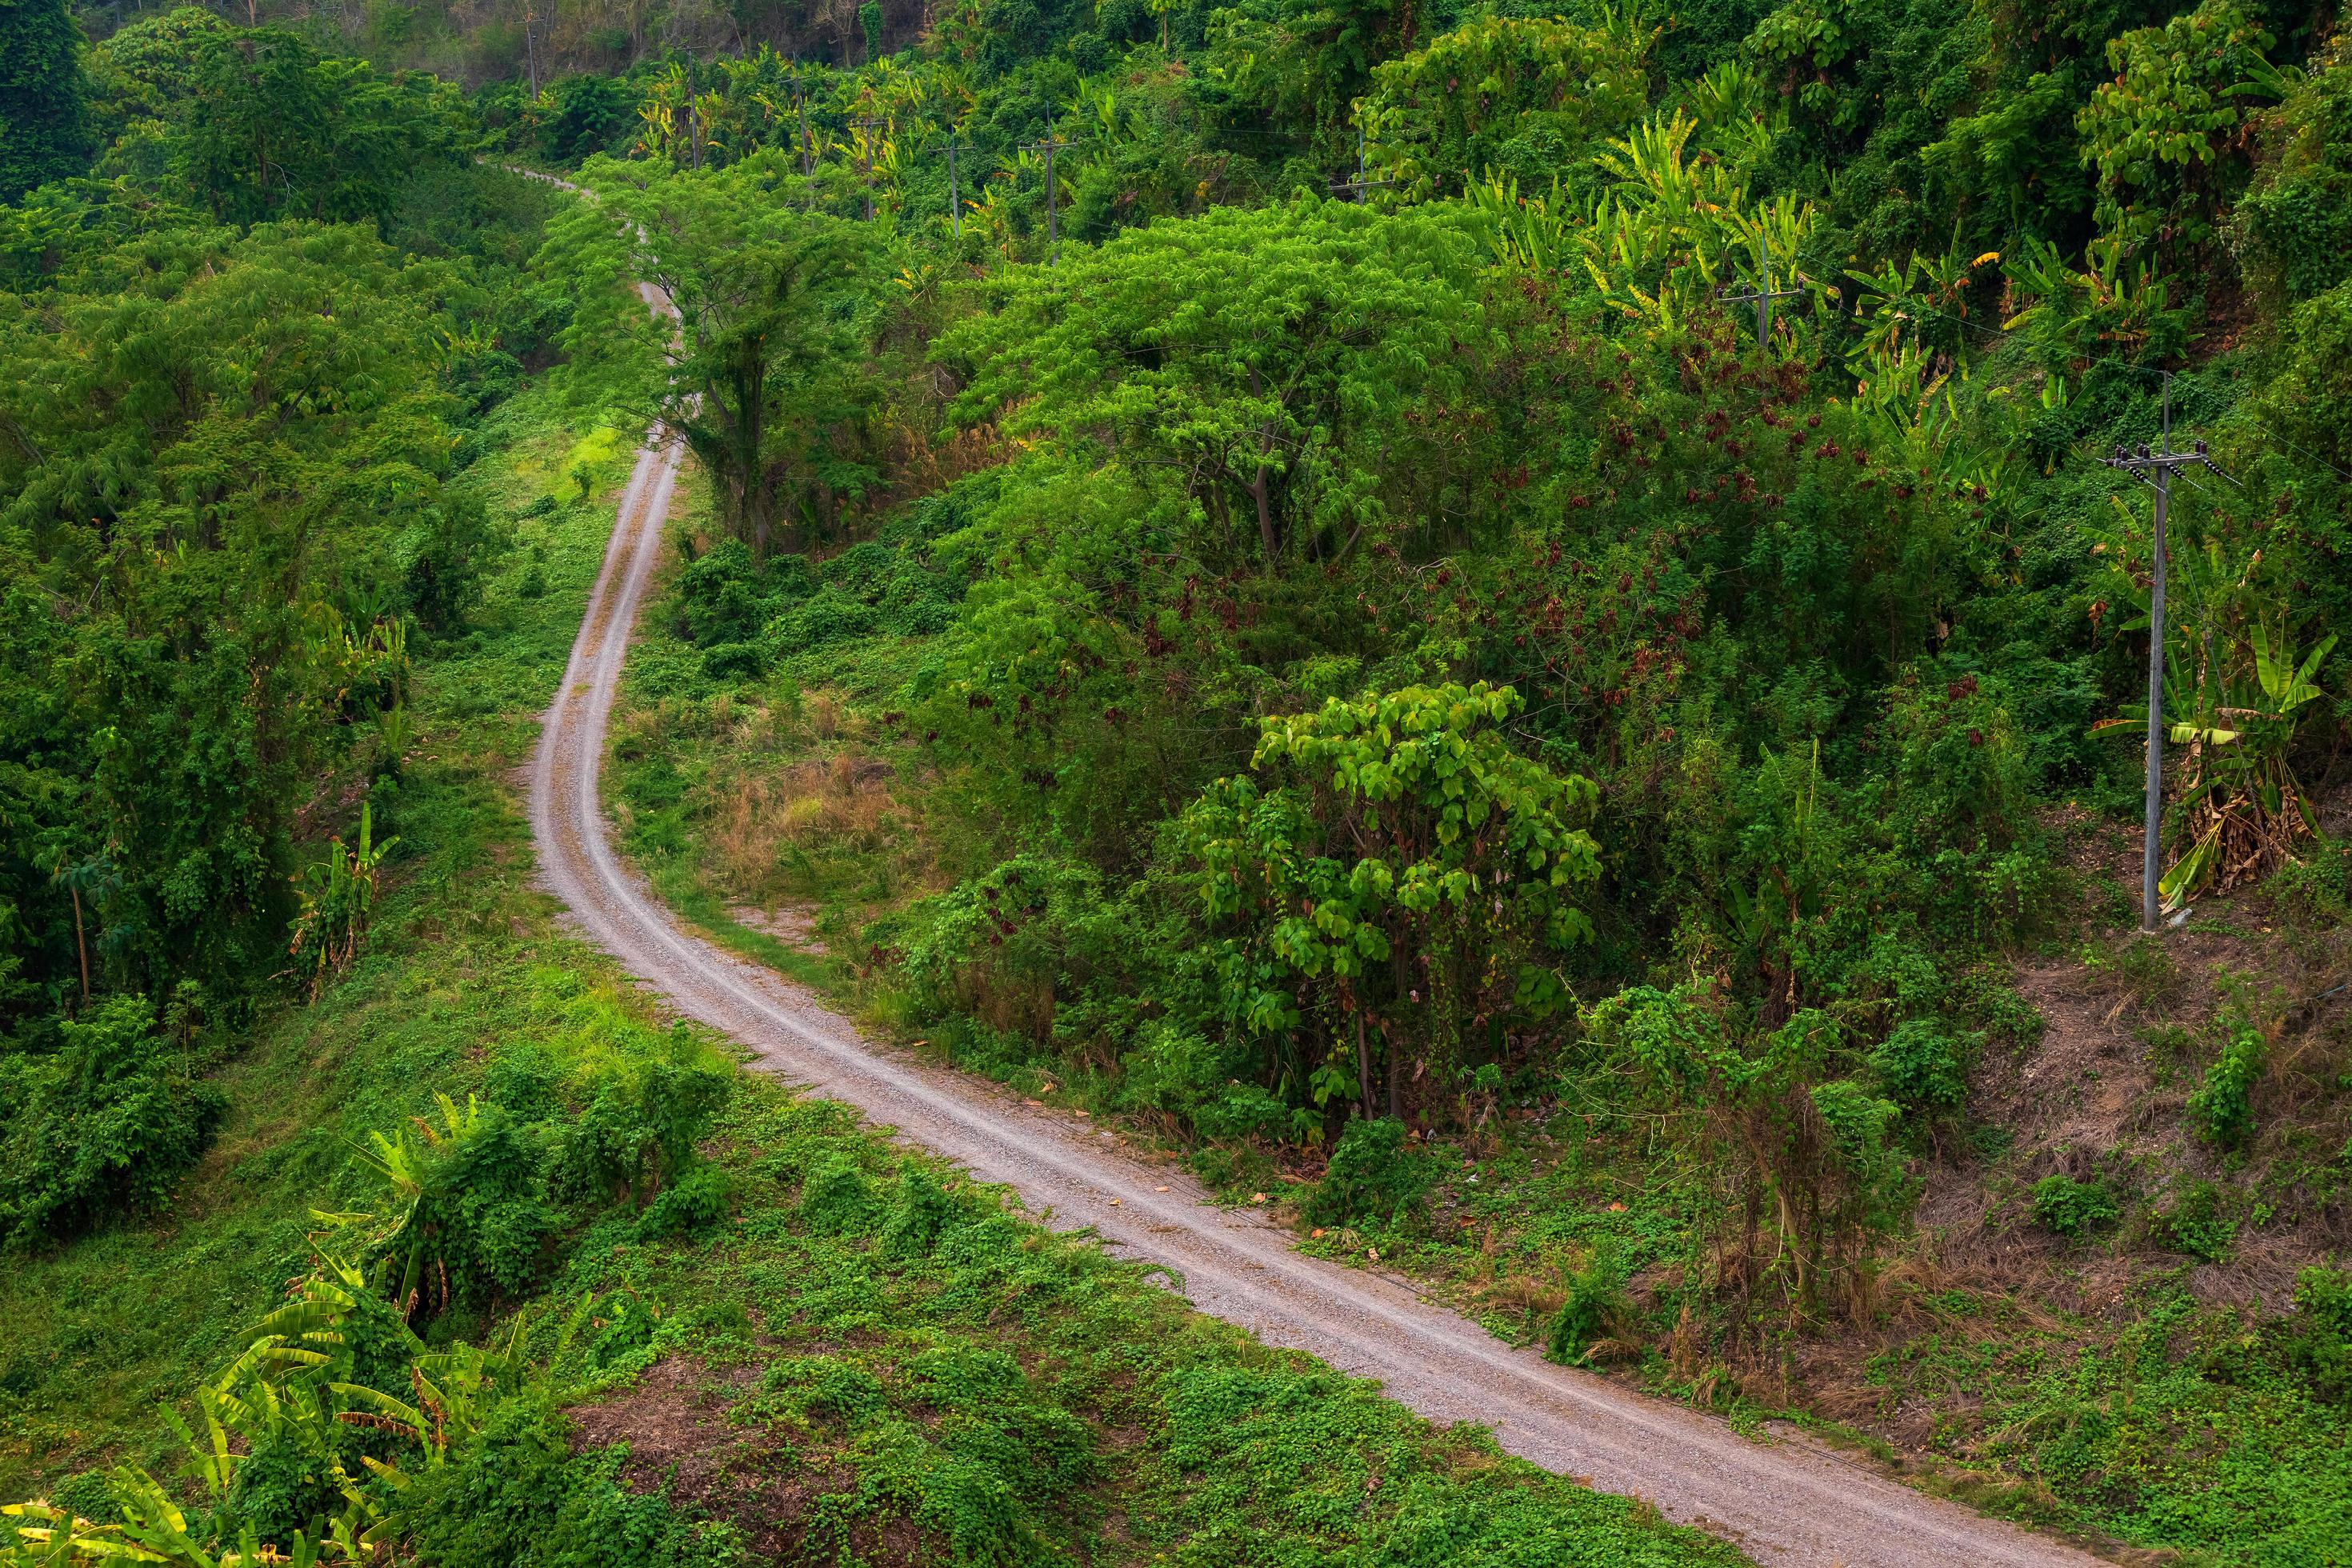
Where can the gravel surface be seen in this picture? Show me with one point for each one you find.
(1788, 1502)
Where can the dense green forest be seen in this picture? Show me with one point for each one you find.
(1503, 625)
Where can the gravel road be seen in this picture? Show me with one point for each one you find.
(1785, 1503)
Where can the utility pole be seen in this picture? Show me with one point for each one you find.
(1356, 189)
(2155, 470)
(1053, 194)
(955, 208)
(1763, 294)
(530, 48)
(865, 151)
(693, 134)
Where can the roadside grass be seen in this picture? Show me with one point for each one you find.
(870, 1333)
(904, 1366)
(2180, 1431)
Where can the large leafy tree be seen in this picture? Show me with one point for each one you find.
(43, 133)
(219, 454)
(270, 128)
(2160, 134)
(1543, 89)
(1300, 64)
(1276, 365)
(759, 371)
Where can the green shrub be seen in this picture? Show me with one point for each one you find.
(1037, 947)
(724, 596)
(639, 1130)
(734, 661)
(2195, 1222)
(467, 1220)
(2319, 1336)
(2221, 1108)
(1921, 1064)
(1248, 1110)
(2293, 227)
(103, 1124)
(521, 1498)
(828, 616)
(2069, 1207)
(1875, 1191)
(1374, 1174)
(1596, 1295)
(697, 1201)
(836, 1199)
(2314, 886)
(920, 1212)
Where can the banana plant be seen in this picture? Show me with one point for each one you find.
(1656, 238)
(2119, 305)
(1906, 299)
(2236, 695)
(663, 114)
(153, 1529)
(1098, 108)
(2239, 801)
(1535, 233)
(405, 1255)
(455, 1391)
(338, 899)
(1732, 94)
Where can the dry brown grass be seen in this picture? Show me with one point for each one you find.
(796, 791)
(825, 806)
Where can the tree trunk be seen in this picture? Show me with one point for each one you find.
(1265, 514)
(1258, 485)
(1363, 1067)
(1396, 1077)
(81, 943)
(747, 435)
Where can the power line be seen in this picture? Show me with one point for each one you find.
(1763, 294)
(1997, 335)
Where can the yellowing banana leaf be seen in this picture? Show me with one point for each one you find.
(2189, 873)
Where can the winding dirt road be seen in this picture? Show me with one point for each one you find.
(1785, 1504)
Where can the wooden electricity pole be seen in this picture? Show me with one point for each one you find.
(1052, 143)
(1356, 190)
(865, 152)
(1763, 294)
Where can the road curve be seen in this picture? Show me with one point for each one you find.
(1785, 1504)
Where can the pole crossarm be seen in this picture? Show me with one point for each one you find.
(1763, 294)
(1355, 190)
